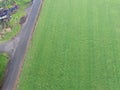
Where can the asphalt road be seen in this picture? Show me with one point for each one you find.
(21, 43)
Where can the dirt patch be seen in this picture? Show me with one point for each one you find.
(8, 29)
(22, 20)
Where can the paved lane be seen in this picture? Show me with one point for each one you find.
(18, 54)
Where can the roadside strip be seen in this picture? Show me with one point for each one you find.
(17, 58)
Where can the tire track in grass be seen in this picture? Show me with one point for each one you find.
(107, 40)
(100, 59)
(83, 39)
(92, 27)
(90, 42)
(102, 83)
(103, 39)
(109, 49)
(81, 43)
(99, 71)
(114, 48)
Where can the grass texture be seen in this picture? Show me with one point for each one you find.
(76, 46)
(3, 65)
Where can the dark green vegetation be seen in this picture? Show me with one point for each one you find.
(3, 65)
(13, 24)
(76, 46)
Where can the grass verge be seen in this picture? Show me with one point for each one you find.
(14, 22)
(3, 65)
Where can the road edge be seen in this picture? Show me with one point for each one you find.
(28, 44)
(14, 87)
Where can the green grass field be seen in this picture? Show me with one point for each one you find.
(3, 65)
(76, 46)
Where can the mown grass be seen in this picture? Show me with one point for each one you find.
(3, 65)
(76, 46)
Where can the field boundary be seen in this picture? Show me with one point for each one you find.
(29, 41)
(10, 84)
